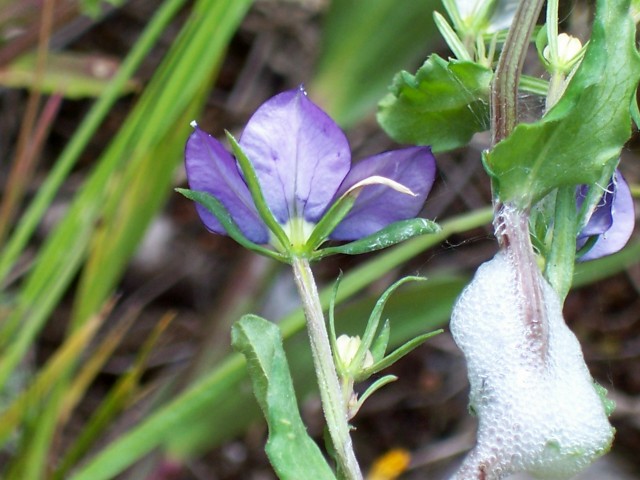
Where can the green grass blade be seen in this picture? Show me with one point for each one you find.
(158, 132)
(81, 138)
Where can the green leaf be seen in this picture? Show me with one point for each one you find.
(216, 208)
(586, 129)
(443, 105)
(292, 452)
(451, 37)
(395, 233)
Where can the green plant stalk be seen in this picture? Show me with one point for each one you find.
(504, 90)
(560, 260)
(334, 408)
(511, 223)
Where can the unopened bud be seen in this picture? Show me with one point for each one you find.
(347, 347)
(568, 49)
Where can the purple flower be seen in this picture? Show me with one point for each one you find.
(612, 220)
(302, 162)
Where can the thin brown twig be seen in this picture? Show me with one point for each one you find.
(27, 149)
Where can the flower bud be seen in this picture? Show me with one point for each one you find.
(568, 49)
(347, 347)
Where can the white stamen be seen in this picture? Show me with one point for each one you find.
(378, 180)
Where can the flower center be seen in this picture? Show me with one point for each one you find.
(298, 231)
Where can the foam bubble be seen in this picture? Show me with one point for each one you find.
(538, 412)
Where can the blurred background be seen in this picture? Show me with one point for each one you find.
(116, 303)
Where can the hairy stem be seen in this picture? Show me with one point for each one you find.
(504, 90)
(512, 230)
(330, 392)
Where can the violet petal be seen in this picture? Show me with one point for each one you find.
(378, 205)
(601, 218)
(212, 169)
(299, 153)
(623, 214)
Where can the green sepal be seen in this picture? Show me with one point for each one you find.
(390, 235)
(397, 354)
(372, 325)
(332, 326)
(588, 126)
(454, 14)
(451, 38)
(542, 40)
(379, 345)
(374, 387)
(443, 105)
(253, 184)
(331, 219)
(291, 451)
(216, 208)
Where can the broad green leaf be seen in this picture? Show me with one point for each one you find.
(588, 126)
(395, 233)
(291, 450)
(73, 75)
(443, 105)
(364, 44)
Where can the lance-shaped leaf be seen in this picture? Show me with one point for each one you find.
(291, 451)
(586, 129)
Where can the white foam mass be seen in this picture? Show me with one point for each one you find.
(538, 412)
